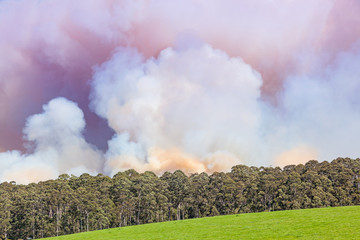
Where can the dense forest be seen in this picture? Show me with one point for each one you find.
(73, 204)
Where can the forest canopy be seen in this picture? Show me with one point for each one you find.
(73, 204)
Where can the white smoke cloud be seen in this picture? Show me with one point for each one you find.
(192, 102)
(28, 168)
(197, 109)
(173, 101)
(323, 109)
(59, 146)
(191, 105)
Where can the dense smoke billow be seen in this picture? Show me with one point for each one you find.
(103, 86)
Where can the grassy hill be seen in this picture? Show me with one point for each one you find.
(322, 223)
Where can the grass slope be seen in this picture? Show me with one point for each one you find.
(322, 223)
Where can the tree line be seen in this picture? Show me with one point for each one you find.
(73, 204)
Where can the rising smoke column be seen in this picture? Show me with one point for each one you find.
(53, 45)
(179, 111)
(305, 51)
(183, 110)
(58, 146)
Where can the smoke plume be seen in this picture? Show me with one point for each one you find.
(178, 110)
(102, 86)
(57, 146)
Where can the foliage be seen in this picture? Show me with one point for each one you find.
(73, 204)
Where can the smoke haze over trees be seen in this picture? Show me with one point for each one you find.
(73, 204)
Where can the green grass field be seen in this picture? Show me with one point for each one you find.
(323, 223)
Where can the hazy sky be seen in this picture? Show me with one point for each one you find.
(198, 85)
